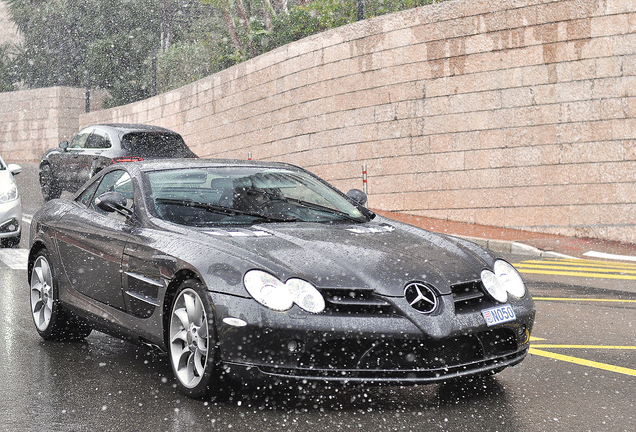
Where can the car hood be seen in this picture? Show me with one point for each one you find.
(381, 255)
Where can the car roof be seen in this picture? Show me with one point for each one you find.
(164, 164)
(124, 128)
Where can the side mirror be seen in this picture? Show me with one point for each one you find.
(64, 145)
(113, 202)
(14, 168)
(358, 196)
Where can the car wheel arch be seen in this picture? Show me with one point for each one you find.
(33, 253)
(171, 291)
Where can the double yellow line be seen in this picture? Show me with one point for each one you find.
(588, 269)
(534, 349)
(579, 268)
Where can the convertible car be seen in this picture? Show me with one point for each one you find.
(265, 270)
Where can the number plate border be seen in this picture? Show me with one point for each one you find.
(495, 320)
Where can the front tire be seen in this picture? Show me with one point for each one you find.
(51, 321)
(191, 340)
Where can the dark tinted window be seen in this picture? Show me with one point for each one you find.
(114, 181)
(156, 144)
(98, 140)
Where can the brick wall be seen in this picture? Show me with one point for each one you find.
(32, 121)
(514, 113)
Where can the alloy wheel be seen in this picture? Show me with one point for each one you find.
(189, 341)
(41, 293)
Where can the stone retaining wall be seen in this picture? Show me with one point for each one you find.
(512, 113)
(32, 121)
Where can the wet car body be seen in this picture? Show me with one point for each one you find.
(121, 275)
(95, 147)
(10, 205)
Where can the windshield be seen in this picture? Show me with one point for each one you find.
(156, 144)
(246, 195)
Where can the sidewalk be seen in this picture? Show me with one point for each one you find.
(516, 241)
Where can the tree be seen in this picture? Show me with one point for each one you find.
(63, 39)
(116, 42)
(5, 69)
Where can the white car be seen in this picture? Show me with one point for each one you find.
(10, 205)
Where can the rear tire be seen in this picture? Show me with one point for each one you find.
(192, 339)
(51, 321)
(50, 188)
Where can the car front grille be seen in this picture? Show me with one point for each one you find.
(468, 296)
(406, 355)
(355, 302)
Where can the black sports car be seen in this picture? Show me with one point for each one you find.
(263, 269)
(95, 147)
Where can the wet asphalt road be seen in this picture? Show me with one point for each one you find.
(104, 384)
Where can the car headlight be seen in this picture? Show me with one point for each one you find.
(503, 281)
(8, 192)
(510, 278)
(274, 294)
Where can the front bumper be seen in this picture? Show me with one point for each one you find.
(11, 218)
(386, 348)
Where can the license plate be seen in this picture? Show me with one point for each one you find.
(498, 315)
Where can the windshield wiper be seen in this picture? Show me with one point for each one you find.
(222, 209)
(325, 209)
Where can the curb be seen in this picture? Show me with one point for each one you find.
(512, 247)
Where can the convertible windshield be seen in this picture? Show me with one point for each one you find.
(246, 195)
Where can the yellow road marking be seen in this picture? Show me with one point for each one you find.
(580, 263)
(579, 268)
(582, 299)
(574, 268)
(583, 362)
(580, 274)
(610, 347)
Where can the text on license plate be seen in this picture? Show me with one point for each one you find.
(498, 315)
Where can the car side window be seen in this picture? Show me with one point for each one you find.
(79, 140)
(85, 197)
(99, 139)
(115, 181)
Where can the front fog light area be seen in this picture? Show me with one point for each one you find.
(504, 281)
(276, 295)
(9, 226)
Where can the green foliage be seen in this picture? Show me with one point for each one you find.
(5, 71)
(299, 23)
(114, 40)
(180, 65)
(111, 39)
(380, 7)
(116, 63)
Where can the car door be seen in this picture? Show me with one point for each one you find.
(98, 142)
(66, 163)
(91, 242)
